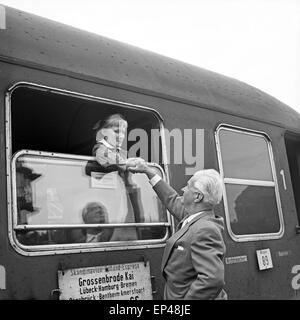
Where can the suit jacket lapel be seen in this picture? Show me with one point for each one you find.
(178, 235)
(171, 243)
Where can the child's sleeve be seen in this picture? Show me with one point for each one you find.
(106, 157)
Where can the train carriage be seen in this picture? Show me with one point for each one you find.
(55, 83)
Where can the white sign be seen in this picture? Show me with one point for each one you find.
(237, 259)
(264, 259)
(130, 281)
(103, 180)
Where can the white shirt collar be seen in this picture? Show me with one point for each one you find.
(191, 217)
(108, 145)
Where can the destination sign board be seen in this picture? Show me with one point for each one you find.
(130, 281)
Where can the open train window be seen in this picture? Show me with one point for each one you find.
(251, 198)
(61, 197)
(292, 142)
(46, 119)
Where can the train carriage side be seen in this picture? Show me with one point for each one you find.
(55, 82)
(259, 164)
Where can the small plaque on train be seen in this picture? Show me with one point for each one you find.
(264, 259)
(102, 180)
(130, 281)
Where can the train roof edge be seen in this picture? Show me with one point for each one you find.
(33, 40)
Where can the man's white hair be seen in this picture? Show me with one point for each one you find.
(209, 183)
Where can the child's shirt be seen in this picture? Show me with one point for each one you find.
(109, 156)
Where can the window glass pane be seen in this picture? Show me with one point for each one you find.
(53, 191)
(252, 209)
(245, 156)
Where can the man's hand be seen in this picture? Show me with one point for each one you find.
(141, 166)
(138, 165)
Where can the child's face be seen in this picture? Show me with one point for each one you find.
(116, 134)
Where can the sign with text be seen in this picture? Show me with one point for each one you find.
(104, 180)
(130, 281)
(264, 259)
(237, 259)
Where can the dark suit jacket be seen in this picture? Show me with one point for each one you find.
(192, 263)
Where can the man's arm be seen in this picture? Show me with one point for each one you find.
(207, 252)
(168, 196)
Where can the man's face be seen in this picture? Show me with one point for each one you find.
(96, 215)
(188, 196)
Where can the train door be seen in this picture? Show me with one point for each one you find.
(73, 227)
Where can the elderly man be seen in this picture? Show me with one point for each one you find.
(192, 263)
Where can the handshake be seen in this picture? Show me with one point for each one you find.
(136, 165)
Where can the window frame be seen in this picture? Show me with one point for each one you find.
(274, 183)
(40, 250)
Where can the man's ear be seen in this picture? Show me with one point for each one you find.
(199, 197)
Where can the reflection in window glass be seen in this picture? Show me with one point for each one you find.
(71, 236)
(245, 156)
(251, 209)
(54, 191)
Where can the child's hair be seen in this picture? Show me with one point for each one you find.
(110, 121)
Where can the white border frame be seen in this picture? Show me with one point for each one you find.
(41, 250)
(274, 183)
